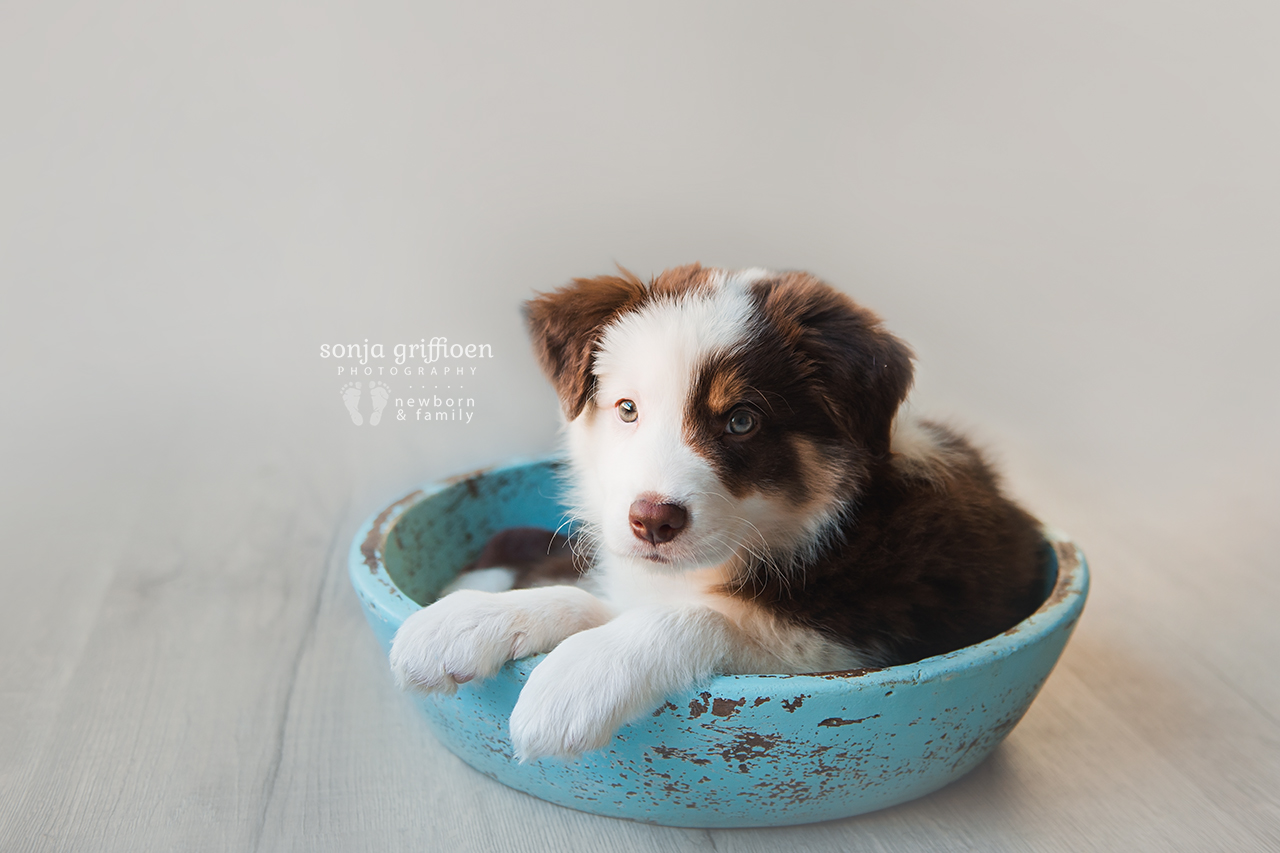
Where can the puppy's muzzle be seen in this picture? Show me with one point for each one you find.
(656, 523)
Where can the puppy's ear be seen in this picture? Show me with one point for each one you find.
(863, 373)
(566, 324)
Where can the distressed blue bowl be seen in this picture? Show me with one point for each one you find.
(741, 750)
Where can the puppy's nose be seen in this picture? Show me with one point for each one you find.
(657, 523)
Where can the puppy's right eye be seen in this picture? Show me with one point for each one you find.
(741, 422)
(627, 410)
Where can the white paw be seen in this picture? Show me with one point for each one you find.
(575, 700)
(465, 635)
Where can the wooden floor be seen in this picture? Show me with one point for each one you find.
(1070, 210)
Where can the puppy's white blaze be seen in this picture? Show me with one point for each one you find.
(677, 332)
(652, 357)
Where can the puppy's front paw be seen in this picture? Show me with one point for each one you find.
(463, 636)
(574, 701)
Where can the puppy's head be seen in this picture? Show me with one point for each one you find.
(716, 416)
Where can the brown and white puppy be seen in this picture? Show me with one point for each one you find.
(753, 502)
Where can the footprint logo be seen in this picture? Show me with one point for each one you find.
(379, 393)
(351, 399)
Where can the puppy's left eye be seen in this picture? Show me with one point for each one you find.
(741, 422)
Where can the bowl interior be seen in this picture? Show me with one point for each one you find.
(439, 534)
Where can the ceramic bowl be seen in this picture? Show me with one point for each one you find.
(740, 750)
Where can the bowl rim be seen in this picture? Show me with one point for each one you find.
(1061, 607)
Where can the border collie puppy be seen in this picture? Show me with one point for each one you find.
(752, 503)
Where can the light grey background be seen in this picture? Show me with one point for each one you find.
(1069, 209)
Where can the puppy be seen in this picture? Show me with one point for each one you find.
(751, 501)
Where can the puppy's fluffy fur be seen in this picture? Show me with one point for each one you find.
(753, 503)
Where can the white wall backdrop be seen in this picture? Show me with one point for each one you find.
(1070, 210)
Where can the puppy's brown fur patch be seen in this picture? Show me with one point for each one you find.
(861, 372)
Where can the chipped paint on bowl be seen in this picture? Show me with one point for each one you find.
(741, 750)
